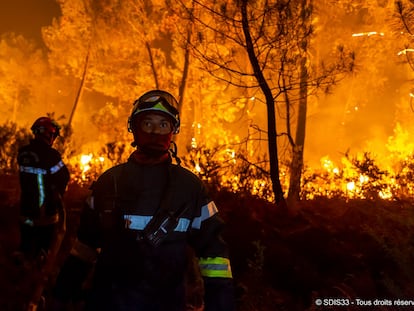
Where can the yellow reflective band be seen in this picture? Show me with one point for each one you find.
(159, 106)
(217, 267)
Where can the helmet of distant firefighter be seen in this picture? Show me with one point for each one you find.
(46, 130)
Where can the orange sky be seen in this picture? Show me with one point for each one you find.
(26, 17)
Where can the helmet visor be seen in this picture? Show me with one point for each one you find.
(155, 103)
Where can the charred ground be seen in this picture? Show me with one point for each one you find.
(356, 249)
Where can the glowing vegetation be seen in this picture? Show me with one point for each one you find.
(334, 134)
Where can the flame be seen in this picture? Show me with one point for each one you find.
(86, 167)
(332, 179)
(368, 34)
(197, 168)
(85, 160)
(346, 179)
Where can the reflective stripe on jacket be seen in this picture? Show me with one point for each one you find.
(43, 180)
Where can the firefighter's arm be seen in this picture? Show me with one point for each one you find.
(214, 261)
(81, 259)
(70, 280)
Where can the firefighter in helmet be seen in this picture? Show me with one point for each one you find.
(143, 219)
(43, 180)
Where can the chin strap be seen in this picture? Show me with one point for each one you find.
(173, 151)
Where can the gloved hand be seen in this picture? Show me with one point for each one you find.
(219, 294)
(70, 279)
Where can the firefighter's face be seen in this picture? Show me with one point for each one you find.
(155, 123)
(152, 131)
(48, 136)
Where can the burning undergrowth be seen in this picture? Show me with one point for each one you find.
(360, 176)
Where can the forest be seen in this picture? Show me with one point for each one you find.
(334, 75)
(297, 114)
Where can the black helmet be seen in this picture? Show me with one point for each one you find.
(160, 101)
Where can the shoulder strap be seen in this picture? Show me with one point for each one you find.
(166, 219)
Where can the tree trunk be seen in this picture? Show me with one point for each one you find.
(154, 70)
(296, 166)
(15, 104)
(185, 138)
(78, 95)
(270, 104)
(186, 66)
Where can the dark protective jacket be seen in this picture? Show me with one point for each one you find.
(130, 272)
(43, 180)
